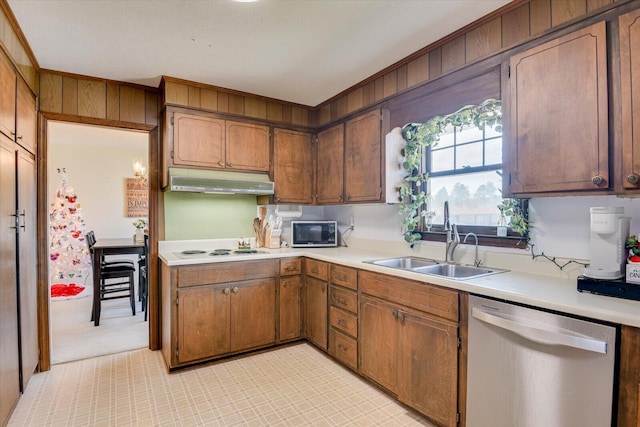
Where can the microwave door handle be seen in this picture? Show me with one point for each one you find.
(540, 335)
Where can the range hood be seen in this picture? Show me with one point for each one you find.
(218, 182)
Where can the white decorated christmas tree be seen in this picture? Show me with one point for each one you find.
(69, 259)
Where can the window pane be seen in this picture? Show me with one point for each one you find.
(469, 133)
(473, 198)
(490, 132)
(469, 155)
(442, 160)
(447, 138)
(493, 151)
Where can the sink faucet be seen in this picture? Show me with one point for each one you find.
(453, 238)
(476, 262)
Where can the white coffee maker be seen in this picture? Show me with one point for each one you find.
(609, 232)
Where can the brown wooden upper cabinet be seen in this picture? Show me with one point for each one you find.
(292, 166)
(363, 158)
(559, 115)
(330, 166)
(205, 141)
(26, 118)
(630, 93)
(7, 98)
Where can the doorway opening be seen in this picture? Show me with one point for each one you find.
(88, 170)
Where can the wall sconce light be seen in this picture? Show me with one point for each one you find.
(139, 169)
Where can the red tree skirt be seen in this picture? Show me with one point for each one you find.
(65, 290)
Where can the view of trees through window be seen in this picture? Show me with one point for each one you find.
(465, 168)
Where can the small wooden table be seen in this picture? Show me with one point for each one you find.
(102, 247)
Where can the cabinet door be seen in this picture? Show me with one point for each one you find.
(253, 314)
(379, 331)
(27, 258)
(7, 98)
(316, 312)
(203, 322)
(247, 146)
(292, 167)
(363, 159)
(198, 141)
(330, 166)
(428, 367)
(9, 368)
(559, 115)
(630, 94)
(289, 308)
(26, 118)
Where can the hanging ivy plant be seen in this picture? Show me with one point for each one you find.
(418, 136)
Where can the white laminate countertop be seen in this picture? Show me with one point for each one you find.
(542, 291)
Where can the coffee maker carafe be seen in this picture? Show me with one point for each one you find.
(609, 232)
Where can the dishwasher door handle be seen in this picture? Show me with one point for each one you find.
(540, 335)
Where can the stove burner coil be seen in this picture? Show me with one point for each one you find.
(192, 252)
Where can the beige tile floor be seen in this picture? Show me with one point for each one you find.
(289, 386)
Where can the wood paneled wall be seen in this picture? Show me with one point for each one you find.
(100, 99)
(514, 24)
(210, 98)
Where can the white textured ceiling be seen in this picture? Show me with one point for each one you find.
(303, 51)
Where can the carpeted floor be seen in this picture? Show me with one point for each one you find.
(74, 337)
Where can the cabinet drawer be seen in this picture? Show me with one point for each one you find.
(417, 295)
(344, 348)
(317, 269)
(346, 322)
(344, 299)
(222, 272)
(290, 266)
(344, 276)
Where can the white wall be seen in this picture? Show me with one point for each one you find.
(97, 161)
(560, 225)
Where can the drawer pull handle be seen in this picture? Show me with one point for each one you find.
(343, 348)
(341, 277)
(339, 299)
(342, 322)
(292, 268)
(314, 270)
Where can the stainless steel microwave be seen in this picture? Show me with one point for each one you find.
(305, 234)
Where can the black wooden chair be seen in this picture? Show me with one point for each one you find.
(116, 280)
(91, 240)
(143, 281)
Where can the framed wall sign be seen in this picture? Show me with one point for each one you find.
(136, 198)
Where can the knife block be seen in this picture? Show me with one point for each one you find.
(272, 239)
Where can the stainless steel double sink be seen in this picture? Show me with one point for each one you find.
(435, 268)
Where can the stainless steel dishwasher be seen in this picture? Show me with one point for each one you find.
(531, 368)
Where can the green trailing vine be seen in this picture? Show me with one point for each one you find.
(417, 137)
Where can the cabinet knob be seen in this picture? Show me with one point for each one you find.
(221, 163)
(597, 180)
(276, 198)
(633, 179)
(394, 313)
(322, 287)
(284, 284)
(225, 291)
(235, 289)
(20, 137)
(230, 164)
(339, 198)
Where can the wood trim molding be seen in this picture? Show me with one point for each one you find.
(16, 27)
(155, 203)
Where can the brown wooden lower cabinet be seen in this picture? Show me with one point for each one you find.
(289, 308)
(216, 309)
(230, 317)
(315, 309)
(629, 388)
(413, 355)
